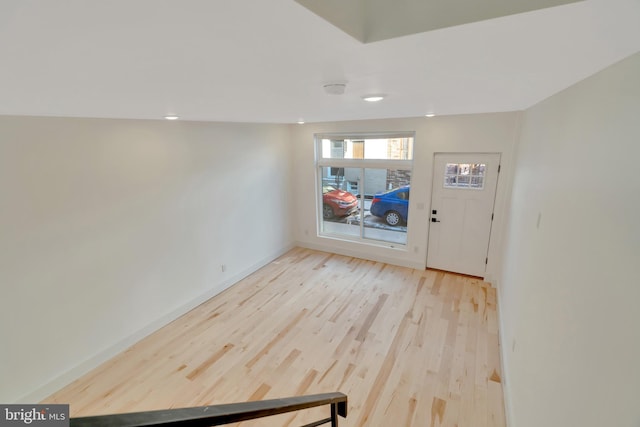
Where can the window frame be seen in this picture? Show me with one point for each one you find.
(362, 164)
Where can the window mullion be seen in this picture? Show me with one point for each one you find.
(362, 198)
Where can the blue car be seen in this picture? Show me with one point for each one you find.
(392, 206)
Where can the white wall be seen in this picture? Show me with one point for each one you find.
(111, 228)
(570, 292)
(467, 133)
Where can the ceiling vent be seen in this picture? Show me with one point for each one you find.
(335, 88)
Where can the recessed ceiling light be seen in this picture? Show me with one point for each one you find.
(171, 117)
(430, 115)
(373, 98)
(300, 122)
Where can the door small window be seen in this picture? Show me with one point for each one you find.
(464, 175)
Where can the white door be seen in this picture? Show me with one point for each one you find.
(464, 189)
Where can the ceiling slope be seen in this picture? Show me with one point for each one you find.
(375, 20)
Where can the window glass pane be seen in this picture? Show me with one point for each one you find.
(333, 149)
(477, 181)
(477, 169)
(374, 148)
(386, 206)
(340, 205)
(463, 181)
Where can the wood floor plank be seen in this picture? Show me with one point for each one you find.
(408, 347)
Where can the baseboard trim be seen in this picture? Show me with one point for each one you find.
(93, 362)
(364, 255)
(506, 389)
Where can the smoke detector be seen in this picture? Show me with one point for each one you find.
(335, 88)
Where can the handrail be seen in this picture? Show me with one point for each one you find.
(215, 415)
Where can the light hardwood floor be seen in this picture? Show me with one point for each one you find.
(408, 347)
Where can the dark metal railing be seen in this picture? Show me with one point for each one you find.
(216, 415)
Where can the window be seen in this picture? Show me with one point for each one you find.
(364, 183)
(464, 175)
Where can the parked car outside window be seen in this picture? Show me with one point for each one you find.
(337, 203)
(392, 206)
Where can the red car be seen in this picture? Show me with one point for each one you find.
(337, 203)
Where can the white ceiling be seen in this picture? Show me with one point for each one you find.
(267, 61)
